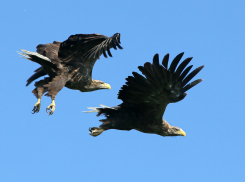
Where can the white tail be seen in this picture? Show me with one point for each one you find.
(95, 109)
(26, 55)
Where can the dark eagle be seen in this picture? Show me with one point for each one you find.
(70, 64)
(146, 98)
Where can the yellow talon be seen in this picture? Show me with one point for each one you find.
(95, 131)
(50, 109)
(37, 106)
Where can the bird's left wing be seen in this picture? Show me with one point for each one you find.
(160, 86)
(47, 50)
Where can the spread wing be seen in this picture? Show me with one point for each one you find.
(160, 86)
(80, 48)
(87, 48)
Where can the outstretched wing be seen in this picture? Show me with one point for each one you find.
(87, 48)
(160, 86)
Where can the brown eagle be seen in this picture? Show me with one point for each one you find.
(146, 98)
(70, 64)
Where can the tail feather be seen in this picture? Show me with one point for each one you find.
(93, 109)
(28, 55)
(44, 61)
(97, 109)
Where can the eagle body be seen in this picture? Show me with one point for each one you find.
(128, 118)
(145, 98)
(70, 64)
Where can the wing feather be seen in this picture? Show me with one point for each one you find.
(108, 50)
(183, 65)
(87, 48)
(192, 84)
(165, 61)
(185, 72)
(191, 75)
(114, 44)
(175, 62)
(159, 86)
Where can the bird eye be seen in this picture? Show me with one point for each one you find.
(176, 129)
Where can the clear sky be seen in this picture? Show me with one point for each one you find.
(38, 147)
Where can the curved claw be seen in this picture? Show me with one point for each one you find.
(50, 109)
(95, 131)
(37, 107)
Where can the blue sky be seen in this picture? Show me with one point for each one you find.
(58, 148)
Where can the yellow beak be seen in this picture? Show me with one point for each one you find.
(107, 86)
(182, 133)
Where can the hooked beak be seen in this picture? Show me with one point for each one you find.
(106, 86)
(182, 133)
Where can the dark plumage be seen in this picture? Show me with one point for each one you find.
(145, 98)
(70, 64)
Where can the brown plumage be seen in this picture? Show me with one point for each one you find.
(145, 98)
(70, 64)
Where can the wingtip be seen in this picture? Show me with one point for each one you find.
(156, 58)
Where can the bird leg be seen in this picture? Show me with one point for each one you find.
(53, 87)
(50, 109)
(37, 106)
(95, 131)
(38, 92)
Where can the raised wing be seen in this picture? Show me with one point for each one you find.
(160, 86)
(79, 48)
(87, 48)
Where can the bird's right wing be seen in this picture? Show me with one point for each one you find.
(87, 48)
(160, 86)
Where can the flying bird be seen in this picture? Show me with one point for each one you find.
(70, 64)
(145, 98)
